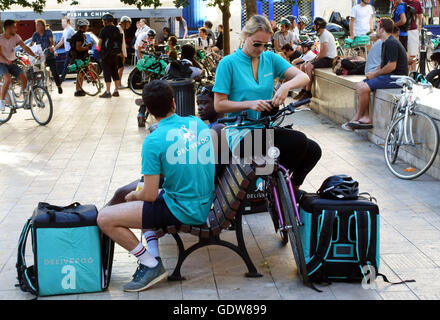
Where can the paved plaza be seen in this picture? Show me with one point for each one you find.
(92, 146)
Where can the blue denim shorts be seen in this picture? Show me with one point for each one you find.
(157, 215)
(382, 82)
(13, 69)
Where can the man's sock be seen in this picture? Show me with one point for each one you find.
(153, 243)
(143, 256)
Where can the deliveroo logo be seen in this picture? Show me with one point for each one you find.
(69, 280)
(188, 135)
(259, 185)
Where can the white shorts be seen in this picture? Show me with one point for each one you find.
(413, 42)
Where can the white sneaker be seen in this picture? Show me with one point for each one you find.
(2, 105)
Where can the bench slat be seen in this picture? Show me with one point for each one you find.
(228, 212)
(233, 202)
(238, 175)
(185, 228)
(222, 221)
(214, 225)
(233, 184)
(195, 231)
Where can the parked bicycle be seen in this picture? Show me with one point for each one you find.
(151, 67)
(412, 140)
(281, 200)
(35, 98)
(87, 76)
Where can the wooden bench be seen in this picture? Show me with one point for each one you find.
(230, 188)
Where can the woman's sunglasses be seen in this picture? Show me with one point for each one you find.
(259, 44)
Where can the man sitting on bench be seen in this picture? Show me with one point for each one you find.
(180, 150)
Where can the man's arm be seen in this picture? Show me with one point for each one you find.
(59, 44)
(419, 22)
(149, 192)
(3, 56)
(352, 27)
(402, 20)
(387, 69)
(322, 51)
(80, 48)
(26, 48)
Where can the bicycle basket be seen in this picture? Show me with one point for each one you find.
(34, 75)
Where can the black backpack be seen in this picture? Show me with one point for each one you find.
(410, 13)
(178, 70)
(113, 44)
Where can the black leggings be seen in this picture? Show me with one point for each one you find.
(297, 153)
(110, 68)
(52, 64)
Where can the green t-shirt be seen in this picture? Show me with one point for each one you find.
(182, 151)
(234, 78)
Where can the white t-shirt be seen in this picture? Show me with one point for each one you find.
(124, 45)
(283, 39)
(327, 37)
(362, 15)
(139, 42)
(295, 34)
(145, 28)
(309, 56)
(67, 34)
(204, 44)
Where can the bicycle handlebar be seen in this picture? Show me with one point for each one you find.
(238, 120)
(405, 80)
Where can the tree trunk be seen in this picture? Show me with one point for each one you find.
(251, 8)
(226, 15)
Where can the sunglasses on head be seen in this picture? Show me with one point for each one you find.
(204, 90)
(259, 44)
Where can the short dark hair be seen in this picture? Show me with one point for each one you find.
(166, 29)
(158, 97)
(172, 40)
(287, 47)
(203, 29)
(188, 52)
(387, 24)
(396, 29)
(208, 24)
(8, 23)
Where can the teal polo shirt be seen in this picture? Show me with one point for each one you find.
(182, 151)
(234, 78)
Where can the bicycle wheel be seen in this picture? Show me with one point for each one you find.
(91, 84)
(138, 79)
(411, 145)
(434, 78)
(6, 114)
(293, 229)
(271, 207)
(41, 105)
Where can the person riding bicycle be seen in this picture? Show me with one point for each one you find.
(244, 83)
(8, 64)
(80, 50)
(44, 37)
(179, 149)
(144, 42)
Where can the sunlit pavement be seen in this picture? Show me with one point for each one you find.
(92, 146)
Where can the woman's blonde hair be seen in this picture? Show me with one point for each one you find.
(42, 22)
(256, 23)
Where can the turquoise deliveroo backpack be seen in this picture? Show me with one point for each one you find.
(71, 254)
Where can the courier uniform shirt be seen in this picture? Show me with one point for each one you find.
(235, 79)
(182, 151)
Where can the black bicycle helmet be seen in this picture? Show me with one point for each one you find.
(319, 23)
(151, 33)
(307, 43)
(291, 18)
(340, 187)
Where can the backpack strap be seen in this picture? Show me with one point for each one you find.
(324, 241)
(363, 233)
(25, 275)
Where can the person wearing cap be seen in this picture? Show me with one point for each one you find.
(80, 50)
(124, 24)
(325, 57)
(110, 44)
(283, 36)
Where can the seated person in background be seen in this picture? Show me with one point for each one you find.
(394, 61)
(283, 36)
(325, 57)
(188, 56)
(203, 41)
(172, 44)
(288, 53)
(307, 54)
(187, 191)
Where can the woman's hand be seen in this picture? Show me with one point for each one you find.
(280, 95)
(131, 196)
(260, 105)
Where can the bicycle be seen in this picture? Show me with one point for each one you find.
(35, 97)
(87, 76)
(281, 200)
(412, 134)
(151, 67)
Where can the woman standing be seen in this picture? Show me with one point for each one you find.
(44, 37)
(244, 82)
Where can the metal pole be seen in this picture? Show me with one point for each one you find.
(422, 61)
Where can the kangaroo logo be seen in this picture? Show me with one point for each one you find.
(188, 135)
(259, 185)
